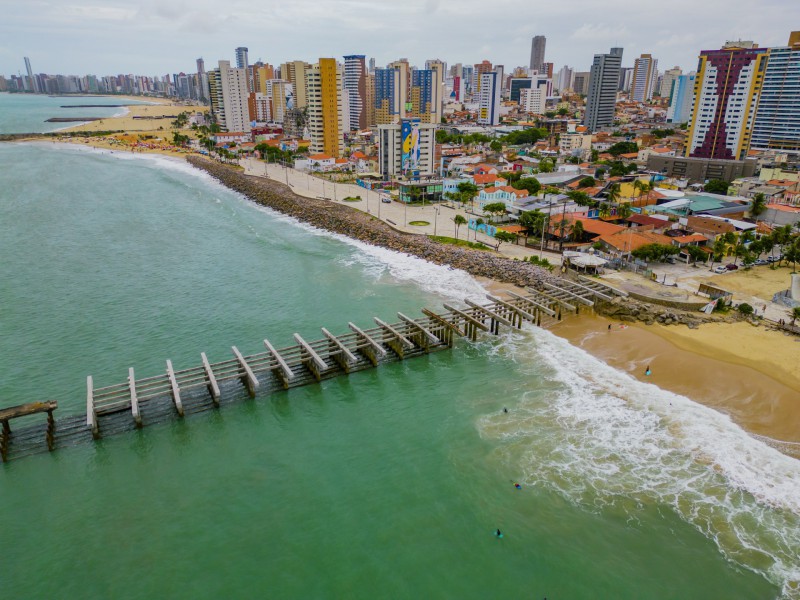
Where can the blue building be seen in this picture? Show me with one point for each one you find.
(777, 123)
(680, 107)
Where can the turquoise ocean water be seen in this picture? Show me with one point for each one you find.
(387, 483)
(28, 113)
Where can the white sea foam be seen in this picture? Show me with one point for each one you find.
(604, 438)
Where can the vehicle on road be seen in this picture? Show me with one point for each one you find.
(720, 269)
(761, 261)
(731, 267)
(386, 200)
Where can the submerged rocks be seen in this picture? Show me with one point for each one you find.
(355, 224)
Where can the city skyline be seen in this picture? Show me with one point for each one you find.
(418, 30)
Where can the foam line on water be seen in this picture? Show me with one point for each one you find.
(606, 439)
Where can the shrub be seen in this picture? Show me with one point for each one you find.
(745, 308)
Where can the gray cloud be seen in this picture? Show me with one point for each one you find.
(161, 36)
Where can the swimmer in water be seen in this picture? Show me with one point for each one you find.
(518, 486)
(505, 410)
(498, 533)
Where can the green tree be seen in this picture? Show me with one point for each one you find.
(495, 146)
(580, 198)
(533, 220)
(716, 186)
(495, 208)
(510, 176)
(624, 210)
(563, 111)
(504, 236)
(623, 148)
(587, 182)
(613, 192)
(758, 205)
(531, 184)
(655, 252)
(577, 231)
(459, 220)
(546, 166)
(696, 253)
(795, 314)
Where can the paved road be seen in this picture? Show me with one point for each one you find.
(397, 214)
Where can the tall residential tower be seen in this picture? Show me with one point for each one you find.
(602, 95)
(538, 44)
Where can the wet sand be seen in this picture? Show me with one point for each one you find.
(759, 403)
(749, 373)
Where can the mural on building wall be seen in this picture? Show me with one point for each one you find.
(409, 139)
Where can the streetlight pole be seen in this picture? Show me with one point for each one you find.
(435, 219)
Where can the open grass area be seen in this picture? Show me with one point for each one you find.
(419, 223)
(453, 241)
(760, 281)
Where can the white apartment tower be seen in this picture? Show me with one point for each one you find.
(230, 104)
(489, 97)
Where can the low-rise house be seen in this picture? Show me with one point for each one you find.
(505, 194)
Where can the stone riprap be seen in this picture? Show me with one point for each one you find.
(358, 225)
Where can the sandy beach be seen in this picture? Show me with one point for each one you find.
(146, 128)
(750, 373)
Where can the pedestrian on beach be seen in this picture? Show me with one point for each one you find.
(609, 326)
(647, 371)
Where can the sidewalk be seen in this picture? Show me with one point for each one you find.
(439, 217)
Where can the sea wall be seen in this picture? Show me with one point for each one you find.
(632, 310)
(356, 224)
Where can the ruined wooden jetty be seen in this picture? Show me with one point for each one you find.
(178, 393)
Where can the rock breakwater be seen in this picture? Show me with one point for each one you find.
(358, 225)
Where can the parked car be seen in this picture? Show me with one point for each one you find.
(720, 269)
(386, 200)
(774, 259)
(731, 267)
(761, 261)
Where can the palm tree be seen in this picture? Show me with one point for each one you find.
(459, 221)
(624, 210)
(478, 223)
(576, 234)
(613, 192)
(605, 210)
(758, 206)
(562, 225)
(795, 314)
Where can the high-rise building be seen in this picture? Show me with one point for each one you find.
(777, 124)
(625, 79)
(517, 85)
(438, 70)
(34, 86)
(645, 70)
(355, 86)
(580, 82)
(478, 70)
(324, 95)
(406, 149)
(241, 58)
(603, 83)
(537, 52)
(295, 73)
(467, 77)
(229, 97)
(369, 99)
(201, 66)
(564, 78)
(725, 97)
(547, 70)
(489, 97)
(391, 93)
(670, 75)
(534, 99)
(372, 65)
(680, 105)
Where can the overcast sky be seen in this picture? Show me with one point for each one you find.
(166, 36)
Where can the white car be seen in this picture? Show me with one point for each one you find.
(720, 269)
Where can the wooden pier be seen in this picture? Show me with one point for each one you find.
(177, 394)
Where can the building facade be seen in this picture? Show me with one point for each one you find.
(777, 123)
(490, 96)
(538, 44)
(324, 96)
(406, 149)
(295, 73)
(645, 70)
(602, 96)
(726, 93)
(241, 58)
(670, 75)
(228, 92)
(680, 106)
(355, 85)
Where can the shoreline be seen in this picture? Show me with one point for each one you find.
(748, 386)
